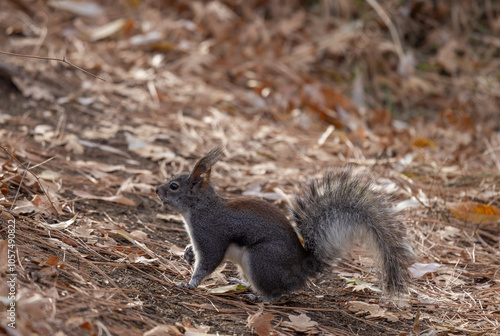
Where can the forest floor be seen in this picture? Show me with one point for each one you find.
(133, 92)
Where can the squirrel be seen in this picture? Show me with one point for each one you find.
(331, 214)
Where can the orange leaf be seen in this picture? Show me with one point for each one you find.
(129, 25)
(52, 261)
(475, 212)
(457, 116)
(423, 142)
(70, 242)
(86, 325)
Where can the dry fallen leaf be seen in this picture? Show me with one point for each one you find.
(261, 323)
(475, 212)
(418, 270)
(24, 207)
(40, 204)
(35, 305)
(61, 225)
(115, 199)
(71, 144)
(447, 56)
(102, 147)
(423, 142)
(176, 250)
(359, 285)
(374, 310)
(163, 330)
(134, 258)
(52, 261)
(139, 235)
(300, 323)
(448, 232)
(191, 330)
(290, 25)
(225, 289)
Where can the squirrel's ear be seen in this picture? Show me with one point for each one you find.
(203, 168)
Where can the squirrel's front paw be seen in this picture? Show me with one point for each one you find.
(189, 254)
(258, 299)
(185, 285)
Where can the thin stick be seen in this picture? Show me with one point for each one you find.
(392, 29)
(34, 175)
(18, 189)
(53, 59)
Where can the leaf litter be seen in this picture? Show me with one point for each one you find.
(409, 89)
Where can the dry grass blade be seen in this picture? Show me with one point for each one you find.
(34, 175)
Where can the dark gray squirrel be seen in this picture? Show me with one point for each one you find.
(331, 215)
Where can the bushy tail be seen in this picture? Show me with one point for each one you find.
(344, 208)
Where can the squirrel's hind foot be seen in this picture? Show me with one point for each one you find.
(185, 285)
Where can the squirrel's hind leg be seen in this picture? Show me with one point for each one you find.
(272, 273)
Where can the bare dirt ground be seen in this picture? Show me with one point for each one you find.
(408, 89)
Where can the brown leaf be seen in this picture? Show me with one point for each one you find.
(115, 199)
(39, 204)
(475, 212)
(139, 235)
(314, 100)
(52, 261)
(447, 56)
(418, 270)
(71, 144)
(292, 24)
(70, 242)
(49, 205)
(423, 142)
(35, 305)
(374, 310)
(86, 325)
(261, 323)
(300, 323)
(379, 117)
(191, 330)
(457, 116)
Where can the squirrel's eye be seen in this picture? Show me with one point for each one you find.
(173, 186)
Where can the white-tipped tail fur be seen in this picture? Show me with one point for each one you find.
(343, 209)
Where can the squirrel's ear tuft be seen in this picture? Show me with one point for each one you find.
(203, 168)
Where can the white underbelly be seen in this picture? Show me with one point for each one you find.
(238, 255)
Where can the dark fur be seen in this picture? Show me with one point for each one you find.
(343, 209)
(331, 215)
